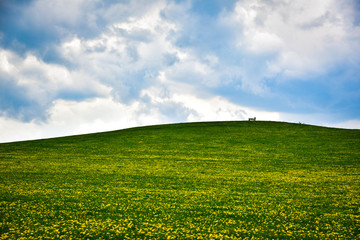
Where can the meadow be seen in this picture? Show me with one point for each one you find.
(214, 180)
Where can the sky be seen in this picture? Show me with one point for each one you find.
(80, 66)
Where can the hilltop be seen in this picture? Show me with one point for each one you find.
(214, 180)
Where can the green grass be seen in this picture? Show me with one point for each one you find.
(217, 180)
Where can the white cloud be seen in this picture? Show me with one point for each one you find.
(156, 105)
(264, 42)
(15, 130)
(98, 114)
(39, 83)
(197, 105)
(71, 118)
(5, 65)
(308, 37)
(319, 119)
(104, 114)
(219, 109)
(131, 53)
(44, 78)
(47, 14)
(350, 124)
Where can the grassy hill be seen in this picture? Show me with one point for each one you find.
(216, 180)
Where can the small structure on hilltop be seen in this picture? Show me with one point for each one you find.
(252, 119)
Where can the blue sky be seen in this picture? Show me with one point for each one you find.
(74, 66)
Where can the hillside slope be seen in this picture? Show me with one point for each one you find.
(215, 180)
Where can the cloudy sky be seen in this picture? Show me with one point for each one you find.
(77, 66)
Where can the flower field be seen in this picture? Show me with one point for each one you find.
(215, 180)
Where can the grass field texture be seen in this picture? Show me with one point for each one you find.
(215, 180)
